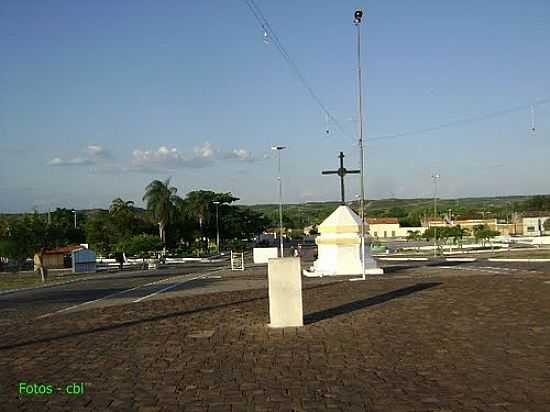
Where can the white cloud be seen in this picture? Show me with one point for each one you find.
(239, 154)
(92, 155)
(170, 158)
(205, 151)
(97, 151)
(77, 161)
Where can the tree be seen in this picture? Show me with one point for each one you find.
(432, 232)
(413, 235)
(538, 203)
(160, 199)
(142, 246)
(484, 233)
(124, 218)
(313, 231)
(101, 233)
(121, 207)
(22, 238)
(457, 234)
(61, 230)
(243, 222)
(199, 205)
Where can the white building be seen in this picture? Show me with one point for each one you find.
(534, 225)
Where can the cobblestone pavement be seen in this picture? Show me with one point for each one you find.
(419, 339)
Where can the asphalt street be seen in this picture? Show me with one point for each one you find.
(102, 290)
(199, 278)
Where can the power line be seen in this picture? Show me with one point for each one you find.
(271, 34)
(460, 122)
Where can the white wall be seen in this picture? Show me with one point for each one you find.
(534, 222)
(263, 254)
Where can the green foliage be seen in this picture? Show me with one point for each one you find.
(101, 233)
(538, 203)
(160, 199)
(21, 238)
(414, 235)
(142, 245)
(61, 231)
(443, 233)
(484, 233)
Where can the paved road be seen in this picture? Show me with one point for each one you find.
(458, 341)
(101, 290)
(198, 278)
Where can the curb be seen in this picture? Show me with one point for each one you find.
(518, 260)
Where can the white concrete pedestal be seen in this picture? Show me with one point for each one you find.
(339, 247)
(285, 292)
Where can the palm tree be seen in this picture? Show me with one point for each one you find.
(198, 203)
(160, 199)
(121, 207)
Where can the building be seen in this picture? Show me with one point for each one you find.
(389, 227)
(533, 223)
(58, 258)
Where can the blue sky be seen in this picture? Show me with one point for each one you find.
(99, 98)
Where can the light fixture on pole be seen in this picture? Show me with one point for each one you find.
(357, 16)
(217, 226)
(435, 176)
(278, 150)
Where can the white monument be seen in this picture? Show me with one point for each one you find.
(339, 243)
(339, 247)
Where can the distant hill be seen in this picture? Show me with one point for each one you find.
(409, 211)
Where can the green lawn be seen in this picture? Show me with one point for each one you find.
(26, 279)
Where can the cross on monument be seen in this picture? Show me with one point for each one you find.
(342, 171)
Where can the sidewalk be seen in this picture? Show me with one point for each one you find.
(439, 344)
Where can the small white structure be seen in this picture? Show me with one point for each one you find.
(237, 261)
(285, 292)
(534, 226)
(263, 254)
(339, 247)
(84, 261)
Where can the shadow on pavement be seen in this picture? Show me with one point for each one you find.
(361, 304)
(139, 321)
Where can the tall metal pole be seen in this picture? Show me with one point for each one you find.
(357, 20)
(74, 212)
(217, 226)
(435, 176)
(281, 245)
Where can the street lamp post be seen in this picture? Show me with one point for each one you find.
(74, 212)
(217, 226)
(278, 150)
(358, 15)
(435, 176)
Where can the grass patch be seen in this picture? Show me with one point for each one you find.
(26, 280)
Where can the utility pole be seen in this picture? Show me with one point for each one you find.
(435, 176)
(358, 15)
(74, 212)
(281, 245)
(217, 226)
